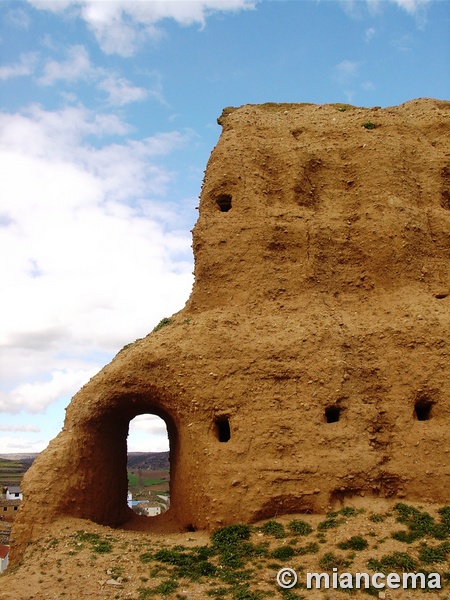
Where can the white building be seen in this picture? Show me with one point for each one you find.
(13, 493)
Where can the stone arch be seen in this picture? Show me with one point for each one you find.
(85, 466)
(109, 439)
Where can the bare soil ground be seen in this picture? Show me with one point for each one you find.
(80, 559)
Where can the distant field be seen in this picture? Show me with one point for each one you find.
(11, 472)
(135, 480)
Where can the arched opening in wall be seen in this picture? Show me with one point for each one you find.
(224, 202)
(222, 429)
(148, 465)
(422, 409)
(332, 413)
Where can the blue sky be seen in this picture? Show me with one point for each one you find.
(107, 118)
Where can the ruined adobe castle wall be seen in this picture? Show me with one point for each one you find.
(310, 365)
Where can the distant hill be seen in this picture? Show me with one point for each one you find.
(25, 459)
(154, 461)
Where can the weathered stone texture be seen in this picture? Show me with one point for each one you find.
(317, 331)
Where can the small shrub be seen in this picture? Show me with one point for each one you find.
(162, 324)
(376, 518)
(229, 543)
(445, 518)
(102, 547)
(84, 536)
(329, 523)
(232, 534)
(243, 592)
(429, 554)
(191, 565)
(299, 527)
(312, 548)
(274, 528)
(369, 125)
(400, 561)
(419, 524)
(167, 587)
(283, 553)
(330, 561)
(146, 557)
(250, 550)
(290, 595)
(349, 511)
(356, 542)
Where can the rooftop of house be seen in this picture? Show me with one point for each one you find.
(4, 551)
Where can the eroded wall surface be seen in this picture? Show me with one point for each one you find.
(310, 365)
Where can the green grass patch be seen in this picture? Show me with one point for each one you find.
(283, 553)
(420, 524)
(397, 561)
(329, 523)
(192, 564)
(135, 480)
(434, 554)
(311, 548)
(165, 587)
(299, 527)
(163, 323)
(274, 529)
(98, 545)
(330, 561)
(356, 542)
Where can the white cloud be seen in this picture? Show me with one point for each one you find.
(148, 433)
(120, 91)
(411, 6)
(36, 397)
(24, 67)
(77, 66)
(346, 71)
(415, 8)
(149, 424)
(368, 86)
(121, 26)
(17, 17)
(20, 445)
(356, 8)
(96, 256)
(369, 34)
(28, 428)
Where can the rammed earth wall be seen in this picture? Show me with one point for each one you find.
(311, 362)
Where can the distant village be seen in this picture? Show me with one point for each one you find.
(147, 502)
(148, 489)
(10, 499)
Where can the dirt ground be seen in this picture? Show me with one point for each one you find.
(64, 564)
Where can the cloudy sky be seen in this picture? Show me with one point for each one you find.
(107, 118)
